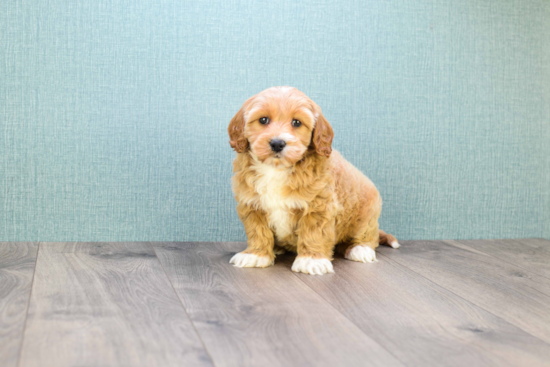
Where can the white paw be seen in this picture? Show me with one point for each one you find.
(309, 265)
(362, 254)
(395, 244)
(243, 260)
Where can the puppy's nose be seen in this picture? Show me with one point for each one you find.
(277, 145)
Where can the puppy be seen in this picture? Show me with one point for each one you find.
(294, 192)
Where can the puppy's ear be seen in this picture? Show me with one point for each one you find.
(322, 136)
(236, 129)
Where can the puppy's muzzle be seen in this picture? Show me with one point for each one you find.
(277, 145)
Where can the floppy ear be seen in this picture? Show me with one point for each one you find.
(322, 136)
(236, 130)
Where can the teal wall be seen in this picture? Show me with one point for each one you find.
(113, 114)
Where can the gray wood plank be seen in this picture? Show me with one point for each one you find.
(17, 261)
(106, 304)
(532, 254)
(503, 289)
(422, 323)
(262, 317)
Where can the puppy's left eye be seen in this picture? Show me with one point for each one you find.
(296, 123)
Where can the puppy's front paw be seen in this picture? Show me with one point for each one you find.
(309, 265)
(362, 254)
(244, 260)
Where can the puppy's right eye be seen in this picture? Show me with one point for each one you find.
(264, 120)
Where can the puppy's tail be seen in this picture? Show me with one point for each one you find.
(387, 239)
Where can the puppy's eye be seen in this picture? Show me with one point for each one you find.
(296, 123)
(264, 120)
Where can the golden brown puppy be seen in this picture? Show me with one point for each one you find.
(294, 192)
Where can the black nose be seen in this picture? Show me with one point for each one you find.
(277, 145)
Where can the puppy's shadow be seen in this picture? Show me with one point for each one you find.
(285, 260)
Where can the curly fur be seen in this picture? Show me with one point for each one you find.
(307, 198)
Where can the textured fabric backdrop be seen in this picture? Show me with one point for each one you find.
(113, 114)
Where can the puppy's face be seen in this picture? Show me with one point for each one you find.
(279, 125)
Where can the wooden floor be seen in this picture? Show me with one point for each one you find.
(430, 303)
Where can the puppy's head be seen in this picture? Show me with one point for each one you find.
(279, 125)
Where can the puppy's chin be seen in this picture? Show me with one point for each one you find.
(287, 158)
(277, 161)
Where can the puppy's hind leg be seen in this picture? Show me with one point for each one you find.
(388, 240)
(362, 247)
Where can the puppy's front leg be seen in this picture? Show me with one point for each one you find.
(316, 237)
(259, 253)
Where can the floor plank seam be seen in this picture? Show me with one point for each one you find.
(28, 306)
(182, 305)
(499, 259)
(347, 318)
(465, 300)
(505, 261)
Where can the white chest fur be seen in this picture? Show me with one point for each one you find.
(269, 185)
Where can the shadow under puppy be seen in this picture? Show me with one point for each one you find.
(294, 192)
